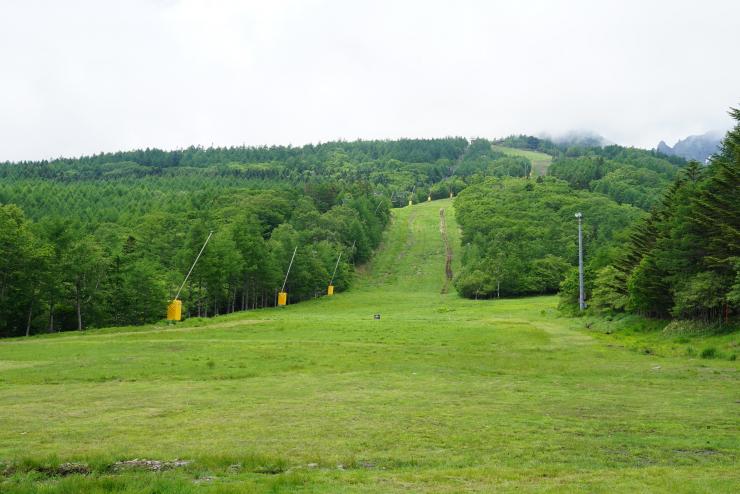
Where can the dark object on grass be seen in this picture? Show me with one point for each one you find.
(376, 316)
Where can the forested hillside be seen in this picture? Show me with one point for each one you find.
(683, 260)
(662, 236)
(71, 273)
(628, 176)
(441, 392)
(107, 239)
(519, 235)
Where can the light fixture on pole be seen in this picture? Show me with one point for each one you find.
(581, 294)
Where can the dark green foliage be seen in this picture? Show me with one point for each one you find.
(682, 260)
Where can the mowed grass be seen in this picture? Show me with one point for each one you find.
(441, 394)
(540, 161)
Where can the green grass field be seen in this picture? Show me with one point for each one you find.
(540, 161)
(441, 394)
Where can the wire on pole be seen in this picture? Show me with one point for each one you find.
(193, 266)
(289, 266)
(331, 282)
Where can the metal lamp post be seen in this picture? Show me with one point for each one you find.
(581, 295)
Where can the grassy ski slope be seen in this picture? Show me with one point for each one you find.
(540, 161)
(441, 395)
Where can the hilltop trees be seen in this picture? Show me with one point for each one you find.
(635, 178)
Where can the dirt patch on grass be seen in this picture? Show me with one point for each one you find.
(151, 465)
(448, 251)
(48, 470)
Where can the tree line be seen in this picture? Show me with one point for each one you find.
(60, 274)
(106, 239)
(519, 235)
(683, 259)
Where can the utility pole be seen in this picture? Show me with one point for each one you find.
(581, 295)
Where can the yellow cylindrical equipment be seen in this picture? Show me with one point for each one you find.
(282, 298)
(429, 198)
(174, 310)
(330, 290)
(411, 203)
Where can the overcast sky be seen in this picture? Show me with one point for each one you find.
(79, 77)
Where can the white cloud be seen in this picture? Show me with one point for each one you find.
(86, 76)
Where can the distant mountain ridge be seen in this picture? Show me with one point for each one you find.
(696, 147)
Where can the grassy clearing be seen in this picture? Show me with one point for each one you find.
(540, 161)
(680, 338)
(441, 394)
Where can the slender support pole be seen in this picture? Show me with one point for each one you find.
(352, 253)
(335, 269)
(193, 266)
(289, 266)
(581, 295)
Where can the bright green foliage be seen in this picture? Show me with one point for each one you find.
(525, 236)
(705, 291)
(442, 394)
(606, 295)
(122, 229)
(25, 262)
(580, 172)
(629, 176)
(519, 235)
(539, 162)
(110, 237)
(58, 276)
(530, 143)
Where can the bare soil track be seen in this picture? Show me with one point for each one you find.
(448, 250)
